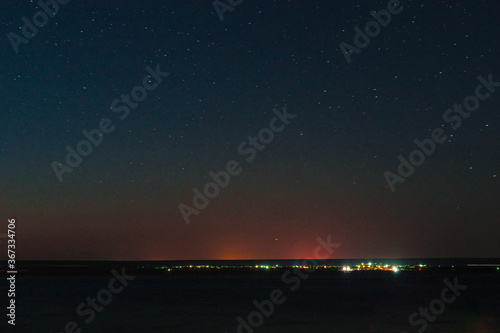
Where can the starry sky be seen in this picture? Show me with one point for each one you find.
(322, 175)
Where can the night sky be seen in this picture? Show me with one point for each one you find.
(322, 174)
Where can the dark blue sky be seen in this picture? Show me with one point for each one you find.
(323, 174)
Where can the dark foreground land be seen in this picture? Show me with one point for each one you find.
(212, 300)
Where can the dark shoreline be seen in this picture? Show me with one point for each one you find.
(221, 267)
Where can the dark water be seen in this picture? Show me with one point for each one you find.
(209, 302)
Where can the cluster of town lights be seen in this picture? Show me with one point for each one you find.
(372, 267)
(360, 267)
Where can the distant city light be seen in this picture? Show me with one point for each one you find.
(376, 266)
